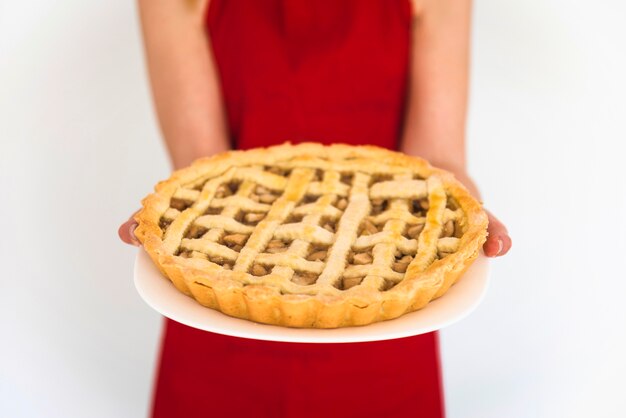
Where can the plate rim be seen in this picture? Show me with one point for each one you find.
(476, 277)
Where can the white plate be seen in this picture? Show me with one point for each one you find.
(461, 299)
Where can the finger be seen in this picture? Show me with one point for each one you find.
(492, 246)
(126, 232)
(498, 242)
(508, 243)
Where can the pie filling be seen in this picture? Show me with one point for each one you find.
(300, 246)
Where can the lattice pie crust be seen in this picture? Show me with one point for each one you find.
(312, 236)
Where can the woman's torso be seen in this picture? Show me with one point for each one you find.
(304, 70)
(296, 70)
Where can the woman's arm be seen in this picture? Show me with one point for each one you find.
(184, 83)
(183, 79)
(437, 97)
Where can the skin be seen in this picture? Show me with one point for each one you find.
(185, 88)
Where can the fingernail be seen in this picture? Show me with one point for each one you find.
(500, 246)
(133, 238)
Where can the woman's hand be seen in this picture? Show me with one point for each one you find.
(498, 242)
(126, 231)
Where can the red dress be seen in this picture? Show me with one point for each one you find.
(296, 70)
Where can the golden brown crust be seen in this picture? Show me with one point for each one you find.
(235, 294)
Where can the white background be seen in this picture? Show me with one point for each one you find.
(79, 148)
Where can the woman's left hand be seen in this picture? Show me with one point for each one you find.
(498, 242)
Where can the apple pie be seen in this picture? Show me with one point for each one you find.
(312, 236)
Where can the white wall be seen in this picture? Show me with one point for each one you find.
(79, 147)
(547, 140)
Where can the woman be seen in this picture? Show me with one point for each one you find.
(256, 73)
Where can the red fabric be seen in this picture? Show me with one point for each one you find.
(318, 70)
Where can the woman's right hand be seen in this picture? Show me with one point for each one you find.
(126, 231)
